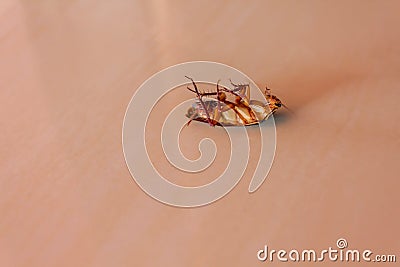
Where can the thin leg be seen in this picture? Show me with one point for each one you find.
(267, 91)
(244, 90)
(219, 104)
(201, 101)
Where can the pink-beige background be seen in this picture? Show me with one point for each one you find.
(69, 68)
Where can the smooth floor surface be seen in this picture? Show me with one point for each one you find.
(68, 70)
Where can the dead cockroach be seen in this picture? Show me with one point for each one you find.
(231, 107)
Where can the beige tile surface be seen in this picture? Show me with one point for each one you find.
(69, 68)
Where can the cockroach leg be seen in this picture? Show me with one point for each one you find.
(201, 101)
(218, 96)
(267, 91)
(268, 114)
(241, 102)
(190, 89)
(246, 93)
(243, 89)
(237, 87)
(237, 95)
(190, 119)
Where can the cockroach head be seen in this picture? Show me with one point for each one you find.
(273, 102)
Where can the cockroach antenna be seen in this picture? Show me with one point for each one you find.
(288, 109)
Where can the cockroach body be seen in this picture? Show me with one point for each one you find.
(231, 107)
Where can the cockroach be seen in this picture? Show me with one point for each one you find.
(231, 107)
